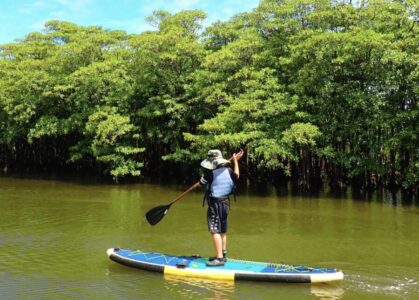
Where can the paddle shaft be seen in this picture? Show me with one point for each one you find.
(184, 193)
(155, 214)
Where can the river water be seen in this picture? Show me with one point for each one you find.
(54, 236)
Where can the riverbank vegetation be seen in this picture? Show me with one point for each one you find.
(317, 92)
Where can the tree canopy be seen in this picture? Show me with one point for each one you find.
(319, 91)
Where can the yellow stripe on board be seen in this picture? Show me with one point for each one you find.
(209, 274)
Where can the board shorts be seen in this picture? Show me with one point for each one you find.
(217, 214)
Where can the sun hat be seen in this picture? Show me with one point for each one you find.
(214, 159)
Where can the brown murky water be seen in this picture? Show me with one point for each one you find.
(54, 234)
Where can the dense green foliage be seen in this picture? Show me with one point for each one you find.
(315, 90)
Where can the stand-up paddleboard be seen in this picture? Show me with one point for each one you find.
(194, 266)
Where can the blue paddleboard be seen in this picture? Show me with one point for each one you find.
(234, 269)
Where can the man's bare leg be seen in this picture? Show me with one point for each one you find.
(218, 244)
(224, 242)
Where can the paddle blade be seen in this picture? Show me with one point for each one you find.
(154, 215)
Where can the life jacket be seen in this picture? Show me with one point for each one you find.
(221, 184)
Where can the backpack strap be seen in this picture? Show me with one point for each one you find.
(209, 177)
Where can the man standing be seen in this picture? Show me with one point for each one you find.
(219, 180)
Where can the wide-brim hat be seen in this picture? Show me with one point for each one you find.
(215, 158)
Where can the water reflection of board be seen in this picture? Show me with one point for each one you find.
(192, 266)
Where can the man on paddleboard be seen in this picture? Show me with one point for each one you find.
(220, 180)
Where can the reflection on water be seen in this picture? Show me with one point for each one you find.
(327, 291)
(192, 288)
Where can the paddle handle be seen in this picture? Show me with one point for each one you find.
(185, 192)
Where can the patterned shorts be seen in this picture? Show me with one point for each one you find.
(217, 215)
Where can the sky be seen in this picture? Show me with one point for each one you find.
(20, 17)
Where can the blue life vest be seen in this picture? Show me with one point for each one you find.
(222, 184)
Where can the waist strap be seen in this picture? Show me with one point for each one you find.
(208, 198)
(218, 198)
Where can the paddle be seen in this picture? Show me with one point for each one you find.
(155, 214)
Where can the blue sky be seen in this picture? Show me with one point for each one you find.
(20, 17)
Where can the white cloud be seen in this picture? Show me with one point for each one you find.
(76, 5)
(39, 25)
(185, 4)
(33, 7)
(171, 6)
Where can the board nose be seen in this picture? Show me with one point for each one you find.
(110, 251)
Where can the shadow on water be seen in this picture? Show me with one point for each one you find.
(394, 198)
(79, 179)
(259, 188)
(391, 197)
